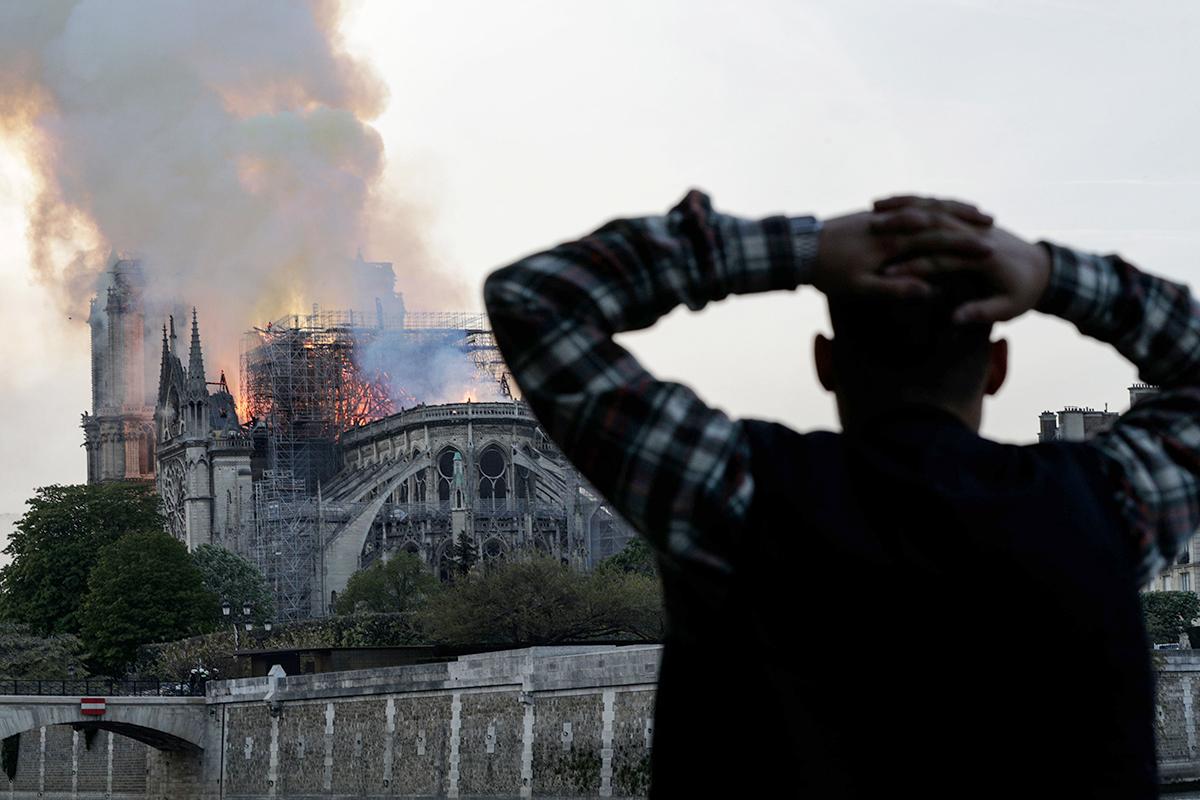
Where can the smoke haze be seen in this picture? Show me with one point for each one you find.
(226, 144)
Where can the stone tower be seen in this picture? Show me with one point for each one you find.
(204, 473)
(119, 431)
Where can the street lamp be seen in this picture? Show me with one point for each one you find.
(246, 618)
(227, 611)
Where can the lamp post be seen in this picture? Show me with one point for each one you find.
(245, 618)
(227, 612)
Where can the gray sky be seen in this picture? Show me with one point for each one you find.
(512, 126)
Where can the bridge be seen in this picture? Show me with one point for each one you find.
(175, 724)
(155, 737)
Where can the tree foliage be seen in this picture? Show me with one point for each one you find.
(212, 654)
(636, 557)
(1168, 614)
(542, 602)
(144, 588)
(54, 548)
(399, 585)
(25, 655)
(465, 554)
(214, 651)
(228, 576)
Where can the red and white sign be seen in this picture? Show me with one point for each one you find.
(91, 706)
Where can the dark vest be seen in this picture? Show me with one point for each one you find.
(914, 611)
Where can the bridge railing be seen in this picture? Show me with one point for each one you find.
(101, 687)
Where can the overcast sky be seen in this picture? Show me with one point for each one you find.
(512, 126)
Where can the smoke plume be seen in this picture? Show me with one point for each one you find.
(226, 144)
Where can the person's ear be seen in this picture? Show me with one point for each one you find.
(823, 356)
(997, 366)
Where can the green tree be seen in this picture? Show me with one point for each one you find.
(55, 544)
(465, 554)
(543, 602)
(26, 655)
(212, 655)
(1168, 614)
(636, 557)
(397, 586)
(144, 588)
(229, 577)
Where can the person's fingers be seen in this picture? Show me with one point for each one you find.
(901, 286)
(909, 220)
(897, 201)
(957, 208)
(904, 220)
(937, 241)
(996, 308)
(928, 265)
(967, 212)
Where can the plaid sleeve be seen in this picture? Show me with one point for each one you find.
(675, 468)
(1154, 448)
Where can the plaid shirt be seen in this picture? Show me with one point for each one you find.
(1154, 448)
(678, 470)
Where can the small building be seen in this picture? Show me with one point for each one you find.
(312, 660)
(1076, 424)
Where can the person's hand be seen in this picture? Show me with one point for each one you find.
(853, 249)
(1017, 271)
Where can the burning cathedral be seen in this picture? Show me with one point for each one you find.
(356, 435)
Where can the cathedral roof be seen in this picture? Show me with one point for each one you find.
(223, 412)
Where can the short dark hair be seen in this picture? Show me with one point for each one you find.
(889, 348)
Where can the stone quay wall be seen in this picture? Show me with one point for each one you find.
(1176, 714)
(542, 722)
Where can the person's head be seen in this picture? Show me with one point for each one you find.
(887, 350)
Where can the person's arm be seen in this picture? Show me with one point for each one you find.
(1154, 448)
(1153, 451)
(675, 468)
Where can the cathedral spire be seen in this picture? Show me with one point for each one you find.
(171, 320)
(195, 358)
(164, 366)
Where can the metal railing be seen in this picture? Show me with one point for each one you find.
(101, 687)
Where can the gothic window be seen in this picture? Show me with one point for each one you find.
(402, 492)
(173, 494)
(493, 549)
(418, 488)
(445, 468)
(492, 471)
(173, 417)
(524, 483)
(146, 446)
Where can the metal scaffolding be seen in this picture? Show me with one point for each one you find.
(309, 378)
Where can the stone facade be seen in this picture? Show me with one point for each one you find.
(420, 480)
(58, 762)
(203, 474)
(119, 431)
(541, 722)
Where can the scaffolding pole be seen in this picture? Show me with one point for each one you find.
(306, 378)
